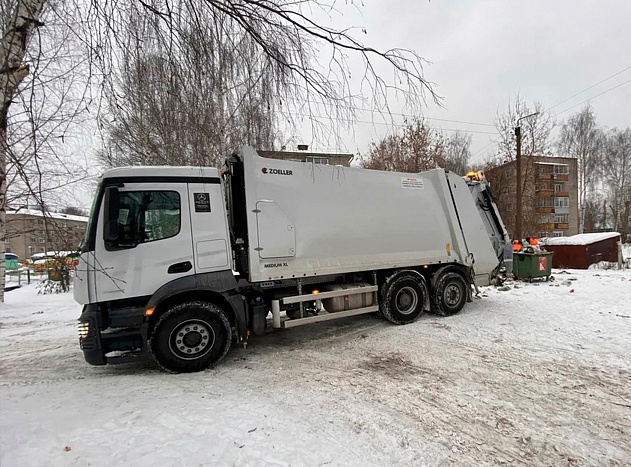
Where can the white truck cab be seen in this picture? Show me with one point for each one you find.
(179, 261)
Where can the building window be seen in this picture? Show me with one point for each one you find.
(546, 218)
(544, 234)
(562, 202)
(547, 202)
(544, 169)
(41, 240)
(318, 160)
(32, 240)
(558, 187)
(561, 169)
(561, 218)
(557, 233)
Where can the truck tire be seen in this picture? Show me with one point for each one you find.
(402, 298)
(449, 294)
(191, 337)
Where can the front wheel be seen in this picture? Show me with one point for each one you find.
(191, 337)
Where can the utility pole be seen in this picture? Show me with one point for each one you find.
(519, 183)
(519, 213)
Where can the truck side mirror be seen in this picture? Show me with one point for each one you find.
(111, 211)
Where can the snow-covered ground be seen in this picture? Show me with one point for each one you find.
(536, 375)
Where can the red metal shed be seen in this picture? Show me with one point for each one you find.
(579, 251)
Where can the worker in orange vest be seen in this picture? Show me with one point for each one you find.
(516, 245)
(533, 241)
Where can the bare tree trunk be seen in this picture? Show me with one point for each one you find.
(12, 71)
(3, 207)
(582, 200)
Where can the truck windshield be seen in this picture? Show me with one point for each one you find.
(91, 222)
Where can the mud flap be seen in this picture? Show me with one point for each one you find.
(257, 324)
(241, 322)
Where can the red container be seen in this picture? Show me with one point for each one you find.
(579, 251)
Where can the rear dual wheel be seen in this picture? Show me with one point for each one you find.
(449, 294)
(403, 297)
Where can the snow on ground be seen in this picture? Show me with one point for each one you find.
(539, 374)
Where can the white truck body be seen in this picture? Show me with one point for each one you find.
(174, 256)
(309, 219)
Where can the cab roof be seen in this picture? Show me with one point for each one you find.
(161, 171)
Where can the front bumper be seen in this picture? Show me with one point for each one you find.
(104, 341)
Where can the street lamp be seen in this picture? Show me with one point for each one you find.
(519, 213)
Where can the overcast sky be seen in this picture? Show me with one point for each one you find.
(484, 52)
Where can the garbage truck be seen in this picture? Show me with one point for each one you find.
(178, 263)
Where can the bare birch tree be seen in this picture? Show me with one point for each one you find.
(19, 20)
(535, 131)
(536, 141)
(191, 106)
(246, 64)
(458, 152)
(616, 170)
(581, 139)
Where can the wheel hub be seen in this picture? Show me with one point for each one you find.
(191, 339)
(406, 300)
(452, 295)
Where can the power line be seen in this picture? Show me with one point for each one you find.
(593, 97)
(457, 121)
(480, 150)
(398, 125)
(360, 109)
(592, 86)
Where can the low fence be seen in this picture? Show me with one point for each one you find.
(16, 278)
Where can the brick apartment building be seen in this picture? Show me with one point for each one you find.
(29, 232)
(549, 195)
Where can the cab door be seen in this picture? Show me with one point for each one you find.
(211, 240)
(143, 239)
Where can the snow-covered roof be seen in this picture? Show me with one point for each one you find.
(53, 215)
(52, 254)
(581, 239)
(550, 163)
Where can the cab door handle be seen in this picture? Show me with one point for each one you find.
(180, 267)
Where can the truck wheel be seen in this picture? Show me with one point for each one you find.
(449, 294)
(403, 296)
(191, 337)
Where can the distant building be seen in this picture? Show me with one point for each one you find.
(306, 156)
(29, 232)
(549, 195)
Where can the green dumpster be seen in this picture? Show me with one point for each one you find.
(532, 265)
